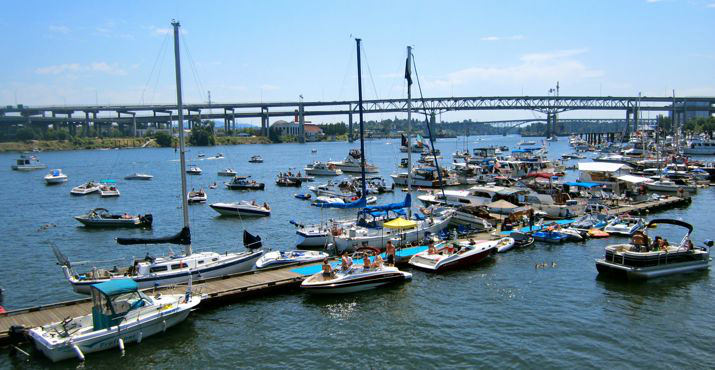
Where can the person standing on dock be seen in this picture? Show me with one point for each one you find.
(531, 219)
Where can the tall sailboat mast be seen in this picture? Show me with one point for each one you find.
(362, 130)
(408, 77)
(180, 109)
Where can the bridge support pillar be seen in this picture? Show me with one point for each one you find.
(350, 123)
(301, 122)
(627, 134)
(264, 121)
(635, 120)
(134, 125)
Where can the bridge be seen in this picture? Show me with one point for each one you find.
(164, 115)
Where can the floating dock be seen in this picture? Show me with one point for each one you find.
(650, 205)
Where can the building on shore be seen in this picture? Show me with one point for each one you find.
(285, 128)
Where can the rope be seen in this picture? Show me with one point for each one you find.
(194, 72)
(156, 62)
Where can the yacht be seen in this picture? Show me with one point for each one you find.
(55, 177)
(171, 269)
(454, 255)
(351, 163)
(139, 176)
(28, 163)
(88, 187)
(474, 196)
(100, 217)
(108, 188)
(256, 159)
(318, 168)
(243, 208)
(637, 262)
(354, 279)
(120, 314)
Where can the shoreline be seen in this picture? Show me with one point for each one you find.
(109, 143)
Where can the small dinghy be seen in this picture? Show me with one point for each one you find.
(505, 244)
(242, 208)
(100, 217)
(88, 187)
(121, 314)
(453, 255)
(197, 196)
(139, 176)
(277, 258)
(55, 177)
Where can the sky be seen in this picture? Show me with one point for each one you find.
(121, 52)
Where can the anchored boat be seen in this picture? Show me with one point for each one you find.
(100, 217)
(55, 177)
(454, 255)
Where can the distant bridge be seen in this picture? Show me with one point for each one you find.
(158, 115)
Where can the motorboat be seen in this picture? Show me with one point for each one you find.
(624, 225)
(174, 268)
(596, 233)
(55, 177)
(285, 181)
(521, 240)
(645, 260)
(322, 169)
(243, 208)
(505, 244)
(256, 159)
(305, 196)
(243, 183)
(88, 187)
(526, 143)
(700, 147)
(475, 216)
(352, 163)
(229, 172)
(28, 163)
(120, 314)
(573, 234)
(100, 217)
(139, 176)
(452, 255)
(550, 236)
(108, 188)
(590, 221)
(318, 235)
(354, 279)
(199, 196)
(326, 199)
(425, 177)
(194, 170)
(664, 185)
(279, 258)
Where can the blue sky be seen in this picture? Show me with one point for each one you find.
(82, 52)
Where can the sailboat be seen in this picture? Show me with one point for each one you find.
(370, 232)
(173, 269)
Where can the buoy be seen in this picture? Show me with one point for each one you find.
(78, 352)
(139, 338)
(121, 345)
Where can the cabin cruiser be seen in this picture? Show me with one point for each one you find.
(139, 176)
(566, 208)
(426, 177)
(665, 185)
(55, 177)
(243, 208)
(319, 235)
(453, 255)
(318, 168)
(256, 159)
(88, 187)
(120, 314)
(229, 172)
(474, 196)
(354, 278)
(279, 258)
(28, 163)
(243, 183)
(197, 196)
(352, 163)
(108, 188)
(476, 217)
(643, 259)
(700, 147)
(624, 225)
(100, 217)
(194, 170)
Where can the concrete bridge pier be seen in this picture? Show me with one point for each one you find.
(264, 121)
(301, 123)
(627, 134)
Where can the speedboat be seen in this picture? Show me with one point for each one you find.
(227, 172)
(139, 176)
(286, 181)
(322, 169)
(28, 163)
(354, 279)
(278, 258)
(243, 208)
(505, 244)
(664, 185)
(108, 188)
(624, 225)
(197, 196)
(243, 183)
(194, 170)
(634, 262)
(456, 255)
(521, 240)
(55, 177)
(100, 217)
(352, 163)
(88, 187)
(590, 221)
(120, 314)
(256, 159)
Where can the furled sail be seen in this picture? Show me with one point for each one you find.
(182, 238)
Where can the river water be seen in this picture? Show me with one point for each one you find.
(503, 313)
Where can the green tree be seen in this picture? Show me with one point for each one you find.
(202, 134)
(163, 139)
(25, 134)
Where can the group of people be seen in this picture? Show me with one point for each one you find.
(642, 244)
(346, 261)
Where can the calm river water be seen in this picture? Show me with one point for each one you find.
(504, 313)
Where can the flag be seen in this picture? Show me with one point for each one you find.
(404, 140)
(408, 72)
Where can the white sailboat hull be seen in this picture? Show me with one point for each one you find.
(346, 242)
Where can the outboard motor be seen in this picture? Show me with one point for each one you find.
(146, 219)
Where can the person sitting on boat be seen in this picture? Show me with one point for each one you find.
(390, 253)
(253, 202)
(431, 249)
(126, 216)
(377, 263)
(265, 205)
(345, 262)
(664, 245)
(655, 245)
(639, 240)
(327, 269)
(366, 263)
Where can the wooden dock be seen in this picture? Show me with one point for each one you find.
(650, 206)
(215, 291)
